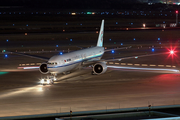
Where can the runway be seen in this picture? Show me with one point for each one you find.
(20, 94)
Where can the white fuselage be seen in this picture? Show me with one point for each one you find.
(70, 61)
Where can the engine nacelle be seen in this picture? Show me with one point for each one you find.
(99, 68)
(43, 68)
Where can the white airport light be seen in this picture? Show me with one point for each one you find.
(144, 25)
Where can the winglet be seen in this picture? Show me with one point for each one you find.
(101, 32)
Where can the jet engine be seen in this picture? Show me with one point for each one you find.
(43, 68)
(99, 68)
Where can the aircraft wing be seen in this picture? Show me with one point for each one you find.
(27, 55)
(88, 63)
(131, 57)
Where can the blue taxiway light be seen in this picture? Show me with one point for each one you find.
(158, 38)
(152, 49)
(110, 39)
(134, 39)
(61, 53)
(7, 40)
(70, 39)
(57, 45)
(121, 43)
(112, 51)
(5, 55)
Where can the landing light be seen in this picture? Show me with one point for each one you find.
(42, 81)
(48, 81)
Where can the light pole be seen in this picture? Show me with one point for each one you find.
(177, 17)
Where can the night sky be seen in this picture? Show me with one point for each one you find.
(70, 4)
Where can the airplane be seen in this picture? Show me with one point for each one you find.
(65, 63)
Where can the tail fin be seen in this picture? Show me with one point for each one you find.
(101, 32)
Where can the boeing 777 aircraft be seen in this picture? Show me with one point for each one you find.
(73, 60)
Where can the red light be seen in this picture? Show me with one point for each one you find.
(172, 52)
(176, 12)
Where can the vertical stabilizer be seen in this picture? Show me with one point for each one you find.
(101, 32)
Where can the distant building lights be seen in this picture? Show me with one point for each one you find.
(73, 13)
(89, 13)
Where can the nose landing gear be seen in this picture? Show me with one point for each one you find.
(48, 80)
